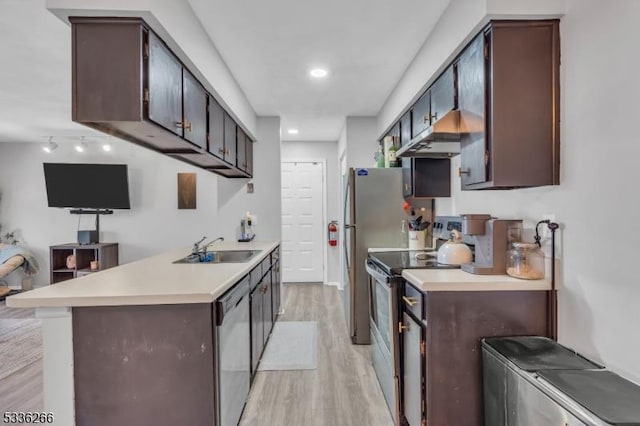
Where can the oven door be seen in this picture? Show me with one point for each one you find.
(383, 301)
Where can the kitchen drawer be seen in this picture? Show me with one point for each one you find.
(255, 276)
(266, 265)
(413, 301)
(275, 255)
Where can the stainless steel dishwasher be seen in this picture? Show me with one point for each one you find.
(233, 353)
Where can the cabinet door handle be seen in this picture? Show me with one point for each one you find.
(434, 116)
(406, 187)
(411, 301)
(463, 172)
(401, 327)
(221, 150)
(183, 125)
(426, 118)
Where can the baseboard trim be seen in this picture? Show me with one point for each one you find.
(335, 284)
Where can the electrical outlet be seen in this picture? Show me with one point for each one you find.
(545, 232)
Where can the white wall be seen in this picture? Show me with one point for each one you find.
(154, 223)
(177, 25)
(327, 151)
(595, 202)
(361, 141)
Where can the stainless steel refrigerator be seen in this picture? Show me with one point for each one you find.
(372, 216)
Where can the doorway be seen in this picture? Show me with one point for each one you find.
(303, 221)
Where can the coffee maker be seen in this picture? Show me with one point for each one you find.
(492, 239)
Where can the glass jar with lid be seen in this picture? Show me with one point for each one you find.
(525, 261)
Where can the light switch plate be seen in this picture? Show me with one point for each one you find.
(250, 188)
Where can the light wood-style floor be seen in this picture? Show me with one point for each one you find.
(22, 390)
(342, 391)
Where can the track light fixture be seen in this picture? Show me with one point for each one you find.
(50, 147)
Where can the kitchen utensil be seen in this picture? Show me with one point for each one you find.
(454, 251)
(417, 240)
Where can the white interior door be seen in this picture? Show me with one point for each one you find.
(302, 222)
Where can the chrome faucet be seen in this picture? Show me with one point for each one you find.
(196, 246)
(201, 252)
(206, 246)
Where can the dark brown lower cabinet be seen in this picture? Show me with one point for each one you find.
(413, 374)
(267, 303)
(275, 282)
(257, 326)
(144, 365)
(441, 353)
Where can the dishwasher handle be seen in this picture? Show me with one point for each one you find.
(231, 299)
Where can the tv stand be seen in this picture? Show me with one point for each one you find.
(97, 212)
(105, 253)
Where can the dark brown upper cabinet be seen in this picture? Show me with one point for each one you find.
(216, 128)
(509, 101)
(126, 82)
(164, 86)
(443, 95)
(249, 156)
(230, 140)
(241, 160)
(405, 128)
(500, 99)
(194, 119)
(471, 99)
(421, 113)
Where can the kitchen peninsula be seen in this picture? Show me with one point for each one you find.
(144, 343)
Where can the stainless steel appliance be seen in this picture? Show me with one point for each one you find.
(233, 353)
(385, 287)
(492, 239)
(532, 381)
(372, 215)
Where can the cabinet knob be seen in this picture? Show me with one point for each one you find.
(401, 327)
(463, 172)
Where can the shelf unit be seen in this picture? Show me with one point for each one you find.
(105, 253)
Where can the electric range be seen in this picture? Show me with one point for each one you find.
(393, 262)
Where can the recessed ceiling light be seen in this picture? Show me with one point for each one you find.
(106, 147)
(292, 131)
(318, 73)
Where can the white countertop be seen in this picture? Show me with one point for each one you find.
(151, 281)
(458, 280)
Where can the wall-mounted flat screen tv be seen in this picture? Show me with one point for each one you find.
(87, 186)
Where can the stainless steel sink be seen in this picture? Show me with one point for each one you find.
(220, 256)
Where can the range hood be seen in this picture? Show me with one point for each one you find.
(442, 139)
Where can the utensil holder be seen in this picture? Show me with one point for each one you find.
(417, 240)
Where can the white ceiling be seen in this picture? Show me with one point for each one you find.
(269, 47)
(35, 76)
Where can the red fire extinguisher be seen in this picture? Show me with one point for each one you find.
(332, 231)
